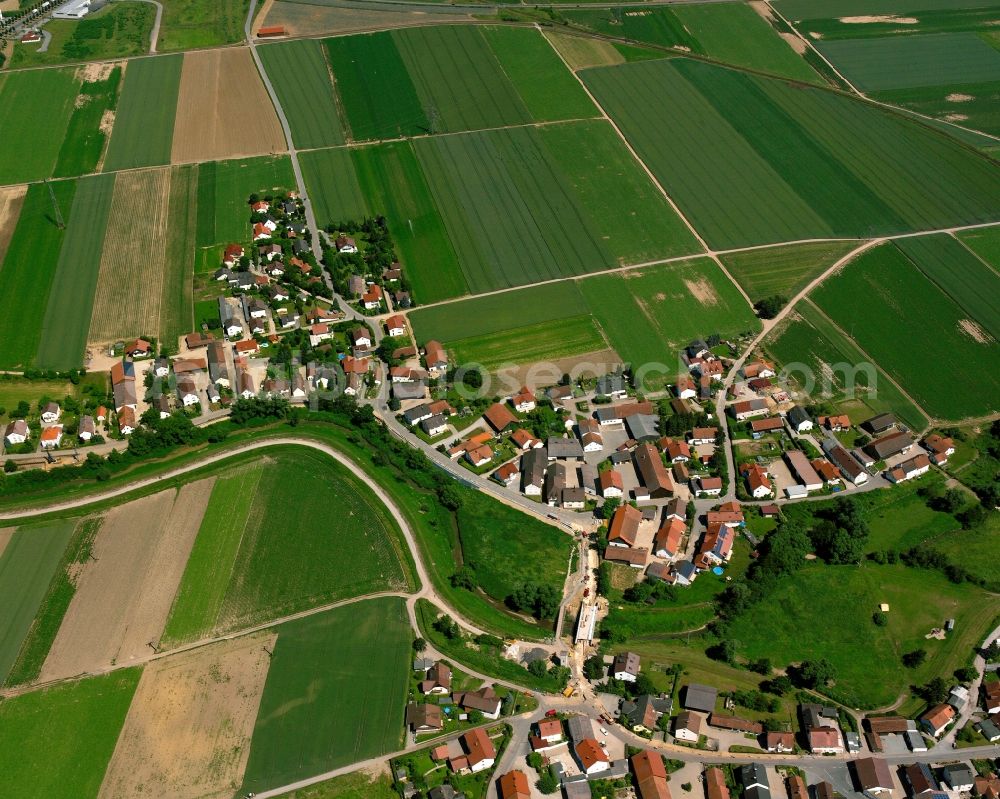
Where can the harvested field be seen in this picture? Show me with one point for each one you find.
(6, 533)
(11, 199)
(141, 274)
(242, 120)
(581, 52)
(301, 19)
(124, 594)
(187, 731)
(537, 375)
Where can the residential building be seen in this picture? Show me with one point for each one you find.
(937, 719)
(825, 741)
(958, 776)
(687, 727)
(533, 464)
(798, 419)
(652, 471)
(611, 484)
(909, 469)
(514, 785)
(625, 667)
(591, 757)
(872, 775)
(650, 774)
(748, 409)
(479, 750)
(715, 783)
(424, 718)
(779, 742)
(51, 436)
(523, 401)
(484, 700)
(939, 448)
(16, 432)
(499, 417)
(624, 526)
(667, 541)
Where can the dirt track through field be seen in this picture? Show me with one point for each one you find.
(124, 593)
(223, 110)
(11, 199)
(581, 52)
(187, 733)
(128, 297)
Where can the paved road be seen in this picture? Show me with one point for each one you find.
(154, 35)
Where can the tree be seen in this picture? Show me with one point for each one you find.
(419, 645)
(760, 666)
(770, 307)
(915, 658)
(593, 668)
(644, 685)
(547, 783)
(965, 674)
(779, 686)
(10, 466)
(879, 619)
(539, 668)
(724, 651)
(813, 673)
(935, 692)
(609, 507)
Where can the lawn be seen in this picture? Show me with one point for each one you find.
(224, 189)
(118, 30)
(188, 24)
(901, 519)
(14, 389)
(28, 270)
(826, 611)
(301, 78)
(144, 131)
(545, 341)
(783, 270)
(483, 316)
(974, 549)
(27, 566)
(243, 572)
(375, 89)
(67, 313)
(64, 736)
(341, 675)
(35, 111)
(960, 274)
(906, 62)
(755, 160)
(899, 298)
(85, 140)
(828, 365)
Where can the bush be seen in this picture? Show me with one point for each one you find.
(879, 619)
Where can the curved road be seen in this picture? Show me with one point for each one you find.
(155, 33)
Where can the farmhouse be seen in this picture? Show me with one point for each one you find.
(424, 718)
(611, 484)
(878, 425)
(748, 409)
(435, 425)
(887, 446)
(51, 437)
(939, 448)
(687, 727)
(654, 474)
(589, 431)
(643, 426)
(186, 392)
(909, 469)
(937, 719)
(760, 427)
(17, 432)
(677, 451)
(758, 483)
(636, 558)
(126, 421)
(523, 439)
(707, 486)
(760, 368)
(848, 466)
(533, 464)
(668, 538)
(612, 386)
(700, 697)
(140, 348)
(124, 393)
(728, 513)
(484, 700)
(959, 777)
(779, 742)
(650, 775)
(753, 777)
(802, 470)
(799, 419)
(625, 667)
(991, 696)
(499, 417)
(825, 741)
(624, 526)
(523, 401)
(826, 470)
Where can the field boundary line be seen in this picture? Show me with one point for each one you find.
(975, 254)
(649, 173)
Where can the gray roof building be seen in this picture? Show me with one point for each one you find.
(643, 426)
(568, 448)
(700, 697)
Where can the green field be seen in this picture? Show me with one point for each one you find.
(224, 189)
(242, 570)
(783, 270)
(378, 97)
(901, 519)
(900, 298)
(545, 341)
(974, 549)
(64, 736)
(483, 316)
(960, 274)
(35, 110)
(806, 9)
(67, 313)
(349, 786)
(28, 270)
(301, 79)
(649, 315)
(546, 87)
(26, 568)
(333, 185)
(901, 62)
(826, 612)
(809, 341)
(971, 105)
(144, 131)
(985, 243)
(392, 184)
(188, 24)
(729, 32)
(755, 160)
(84, 144)
(342, 676)
(118, 30)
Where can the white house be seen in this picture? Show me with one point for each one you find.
(625, 667)
(187, 393)
(17, 432)
(687, 727)
(52, 437)
(395, 326)
(51, 413)
(592, 758)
